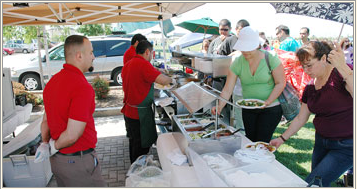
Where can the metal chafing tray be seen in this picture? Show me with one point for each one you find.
(194, 97)
(193, 127)
(217, 65)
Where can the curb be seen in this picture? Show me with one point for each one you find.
(110, 111)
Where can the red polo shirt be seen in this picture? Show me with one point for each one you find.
(129, 54)
(69, 95)
(138, 76)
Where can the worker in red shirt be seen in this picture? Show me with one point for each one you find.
(138, 81)
(67, 130)
(130, 53)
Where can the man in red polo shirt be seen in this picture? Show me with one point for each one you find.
(130, 53)
(68, 125)
(138, 80)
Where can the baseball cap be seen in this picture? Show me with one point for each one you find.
(248, 39)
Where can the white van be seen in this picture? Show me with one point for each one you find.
(108, 52)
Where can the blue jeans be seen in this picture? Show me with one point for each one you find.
(330, 159)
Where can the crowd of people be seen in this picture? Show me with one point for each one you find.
(256, 72)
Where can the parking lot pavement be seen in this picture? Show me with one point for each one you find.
(112, 149)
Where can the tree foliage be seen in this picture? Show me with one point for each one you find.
(64, 32)
(26, 33)
(12, 32)
(30, 33)
(95, 29)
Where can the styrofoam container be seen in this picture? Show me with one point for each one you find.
(21, 171)
(219, 161)
(206, 66)
(260, 174)
(197, 63)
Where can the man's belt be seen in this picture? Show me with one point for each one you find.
(78, 153)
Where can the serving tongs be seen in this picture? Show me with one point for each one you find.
(205, 127)
(236, 131)
(211, 133)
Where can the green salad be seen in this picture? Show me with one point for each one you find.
(252, 103)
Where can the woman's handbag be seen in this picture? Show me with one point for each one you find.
(289, 99)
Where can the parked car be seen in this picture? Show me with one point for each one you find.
(108, 52)
(8, 51)
(24, 48)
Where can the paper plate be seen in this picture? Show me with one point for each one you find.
(163, 87)
(249, 155)
(261, 145)
(250, 100)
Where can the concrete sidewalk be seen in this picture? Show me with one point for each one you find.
(112, 149)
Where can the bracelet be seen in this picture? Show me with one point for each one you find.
(282, 138)
(345, 78)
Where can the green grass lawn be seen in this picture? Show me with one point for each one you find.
(295, 153)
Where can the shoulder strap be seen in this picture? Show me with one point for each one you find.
(267, 60)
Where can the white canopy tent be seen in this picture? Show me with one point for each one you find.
(78, 13)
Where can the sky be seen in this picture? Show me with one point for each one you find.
(263, 17)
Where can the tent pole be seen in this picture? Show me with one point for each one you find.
(163, 42)
(163, 39)
(39, 56)
(46, 52)
(338, 39)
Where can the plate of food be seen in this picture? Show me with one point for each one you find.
(250, 103)
(261, 146)
(163, 87)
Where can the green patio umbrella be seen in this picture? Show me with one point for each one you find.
(203, 25)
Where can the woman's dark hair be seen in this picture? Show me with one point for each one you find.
(314, 49)
(142, 46)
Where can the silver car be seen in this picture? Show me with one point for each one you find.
(108, 52)
(24, 48)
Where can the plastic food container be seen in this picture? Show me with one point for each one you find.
(260, 174)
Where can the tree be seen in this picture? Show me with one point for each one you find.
(26, 33)
(30, 32)
(64, 31)
(95, 29)
(11, 32)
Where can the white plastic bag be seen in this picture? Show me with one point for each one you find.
(142, 162)
(150, 176)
